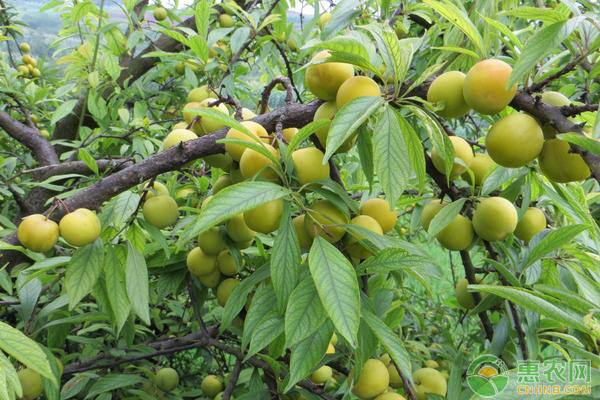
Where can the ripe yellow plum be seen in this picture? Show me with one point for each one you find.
(80, 227)
(531, 223)
(324, 219)
(357, 86)
(462, 150)
(254, 163)
(457, 235)
(256, 132)
(266, 217)
(308, 164)
(177, 136)
(199, 263)
(381, 211)
(481, 166)
(559, 164)
(495, 218)
(38, 233)
(353, 245)
(324, 79)
(373, 380)
(486, 86)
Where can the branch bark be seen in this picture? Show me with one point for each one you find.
(41, 148)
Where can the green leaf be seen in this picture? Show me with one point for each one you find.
(308, 353)
(587, 143)
(302, 135)
(112, 382)
(392, 161)
(202, 15)
(414, 148)
(504, 30)
(114, 276)
(199, 47)
(458, 18)
(231, 201)
(14, 343)
(537, 47)
(63, 110)
(343, 14)
(348, 119)
(458, 50)
(390, 341)
(238, 298)
(304, 314)
(262, 307)
(445, 216)
(437, 136)
(344, 44)
(534, 303)
(136, 282)
(554, 240)
(89, 160)
(269, 328)
(364, 145)
(83, 271)
(285, 259)
(9, 380)
(337, 285)
(546, 15)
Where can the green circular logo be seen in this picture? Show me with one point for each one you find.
(487, 376)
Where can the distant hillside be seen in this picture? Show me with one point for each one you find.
(43, 27)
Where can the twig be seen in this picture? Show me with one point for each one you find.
(470, 275)
(570, 110)
(288, 68)
(536, 87)
(232, 102)
(264, 98)
(233, 378)
(408, 389)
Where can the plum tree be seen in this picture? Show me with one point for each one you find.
(199, 263)
(266, 217)
(211, 385)
(254, 163)
(531, 223)
(486, 86)
(308, 164)
(462, 150)
(38, 233)
(80, 227)
(166, 379)
(514, 140)
(356, 86)
(495, 218)
(381, 211)
(559, 164)
(161, 211)
(429, 380)
(224, 290)
(373, 380)
(447, 89)
(324, 79)
(325, 219)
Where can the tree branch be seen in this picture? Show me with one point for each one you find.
(41, 148)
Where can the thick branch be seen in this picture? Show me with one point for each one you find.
(79, 167)
(41, 148)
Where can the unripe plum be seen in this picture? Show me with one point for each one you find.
(199, 263)
(211, 241)
(161, 211)
(327, 110)
(308, 164)
(211, 385)
(353, 245)
(224, 290)
(429, 211)
(481, 166)
(226, 263)
(561, 165)
(177, 136)
(226, 21)
(221, 183)
(321, 375)
(380, 210)
(212, 279)
(80, 227)
(304, 239)
(237, 229)
(448, 89)
(38, 233)
(514, 140)
(31, 383)
(222, 161)
(357, 86)
(457, 235)
(257, 132)
(199, 94)
(166, 379)
(324, 219)
(373, 380)
(324, 79)
(266, 217)
(495, 218)
(429, 380)
(485, 87)
(462, 150)
(160, 14)
(253, 162)
(531, 223)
